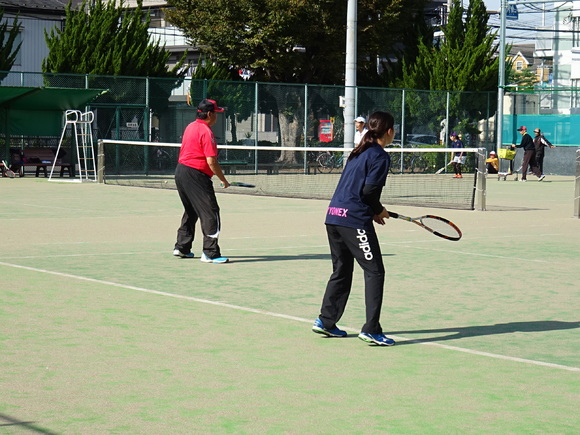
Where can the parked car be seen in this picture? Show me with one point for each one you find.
(422, 139)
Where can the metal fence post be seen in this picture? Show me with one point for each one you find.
(480, 181)
(100, 161)
(577, 186)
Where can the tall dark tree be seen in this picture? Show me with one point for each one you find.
(226, 87)
(105, 39)
(465, 61)
(290, 41)
(8, 49)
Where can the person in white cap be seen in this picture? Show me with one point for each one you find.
(361, 128)
(492, 164)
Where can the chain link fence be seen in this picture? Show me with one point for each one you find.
(152, 109)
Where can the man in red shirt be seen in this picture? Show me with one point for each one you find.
(197, 164)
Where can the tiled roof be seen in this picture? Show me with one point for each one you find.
(37, 5)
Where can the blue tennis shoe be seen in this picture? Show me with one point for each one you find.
(218, 260)
(379, 339)
(319, 328)
(178, 253)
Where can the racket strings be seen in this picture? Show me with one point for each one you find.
(442, 227)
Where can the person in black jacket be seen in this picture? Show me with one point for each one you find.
(540, 142)
(527, 144)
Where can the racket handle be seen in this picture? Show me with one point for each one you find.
(393, 214)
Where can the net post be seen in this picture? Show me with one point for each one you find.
(480, 180)
(100, 161)
(577, 186)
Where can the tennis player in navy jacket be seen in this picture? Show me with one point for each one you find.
(354, 207)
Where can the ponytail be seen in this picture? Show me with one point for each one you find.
(379, 123)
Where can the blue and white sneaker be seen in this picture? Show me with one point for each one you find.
(379, 339)
(178, 253)
(218, 260)
(319, 328)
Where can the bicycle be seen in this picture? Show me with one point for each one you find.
(411, 163)
(327, 161)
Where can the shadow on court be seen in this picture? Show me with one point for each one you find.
(262, 258)
(475, 331)
(6, 420)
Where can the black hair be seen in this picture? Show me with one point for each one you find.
(378, 124)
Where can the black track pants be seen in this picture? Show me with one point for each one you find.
(347, 245)
(198, 198)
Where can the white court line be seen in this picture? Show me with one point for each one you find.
(165, 251)
(285, 316)
(474, 254)
(402, 244)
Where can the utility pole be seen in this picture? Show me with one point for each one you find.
(350, 74)
(501, 78)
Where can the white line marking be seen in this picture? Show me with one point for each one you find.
(284, 316)
(402, 244)
(473, 254)
(165, 251)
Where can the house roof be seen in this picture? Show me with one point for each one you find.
(526, 50)
(37, 6)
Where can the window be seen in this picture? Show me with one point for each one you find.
(575, 25)
(575, 94)
(519, 65)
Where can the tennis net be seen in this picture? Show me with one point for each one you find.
(418, 176)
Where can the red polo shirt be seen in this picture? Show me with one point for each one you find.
(198, 143)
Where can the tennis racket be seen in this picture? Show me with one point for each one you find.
(437, 225)
(443, 168)
(9, 172)
(240, 184)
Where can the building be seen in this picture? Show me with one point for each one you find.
(36, 17)
(557, 53)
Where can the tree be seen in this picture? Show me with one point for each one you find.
(290, 41)
(524, 80)
(235, 95)
(464, 61)
(105, 40)
(8, 51)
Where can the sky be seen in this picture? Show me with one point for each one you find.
(492, 5)
(522, 30)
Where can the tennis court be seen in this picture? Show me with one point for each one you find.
(102, 330)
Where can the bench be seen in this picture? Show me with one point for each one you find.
(40, 159)
(231, 166)
(274, 168)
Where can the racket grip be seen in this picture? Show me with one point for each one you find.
(393, 214)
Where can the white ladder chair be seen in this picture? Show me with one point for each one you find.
(83, 141)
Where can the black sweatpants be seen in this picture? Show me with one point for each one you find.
(347, 245)
(198, 198)
(530, 160)
(540, 161)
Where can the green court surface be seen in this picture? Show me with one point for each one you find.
(103, 331)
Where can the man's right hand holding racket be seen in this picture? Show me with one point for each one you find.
(217, 170)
